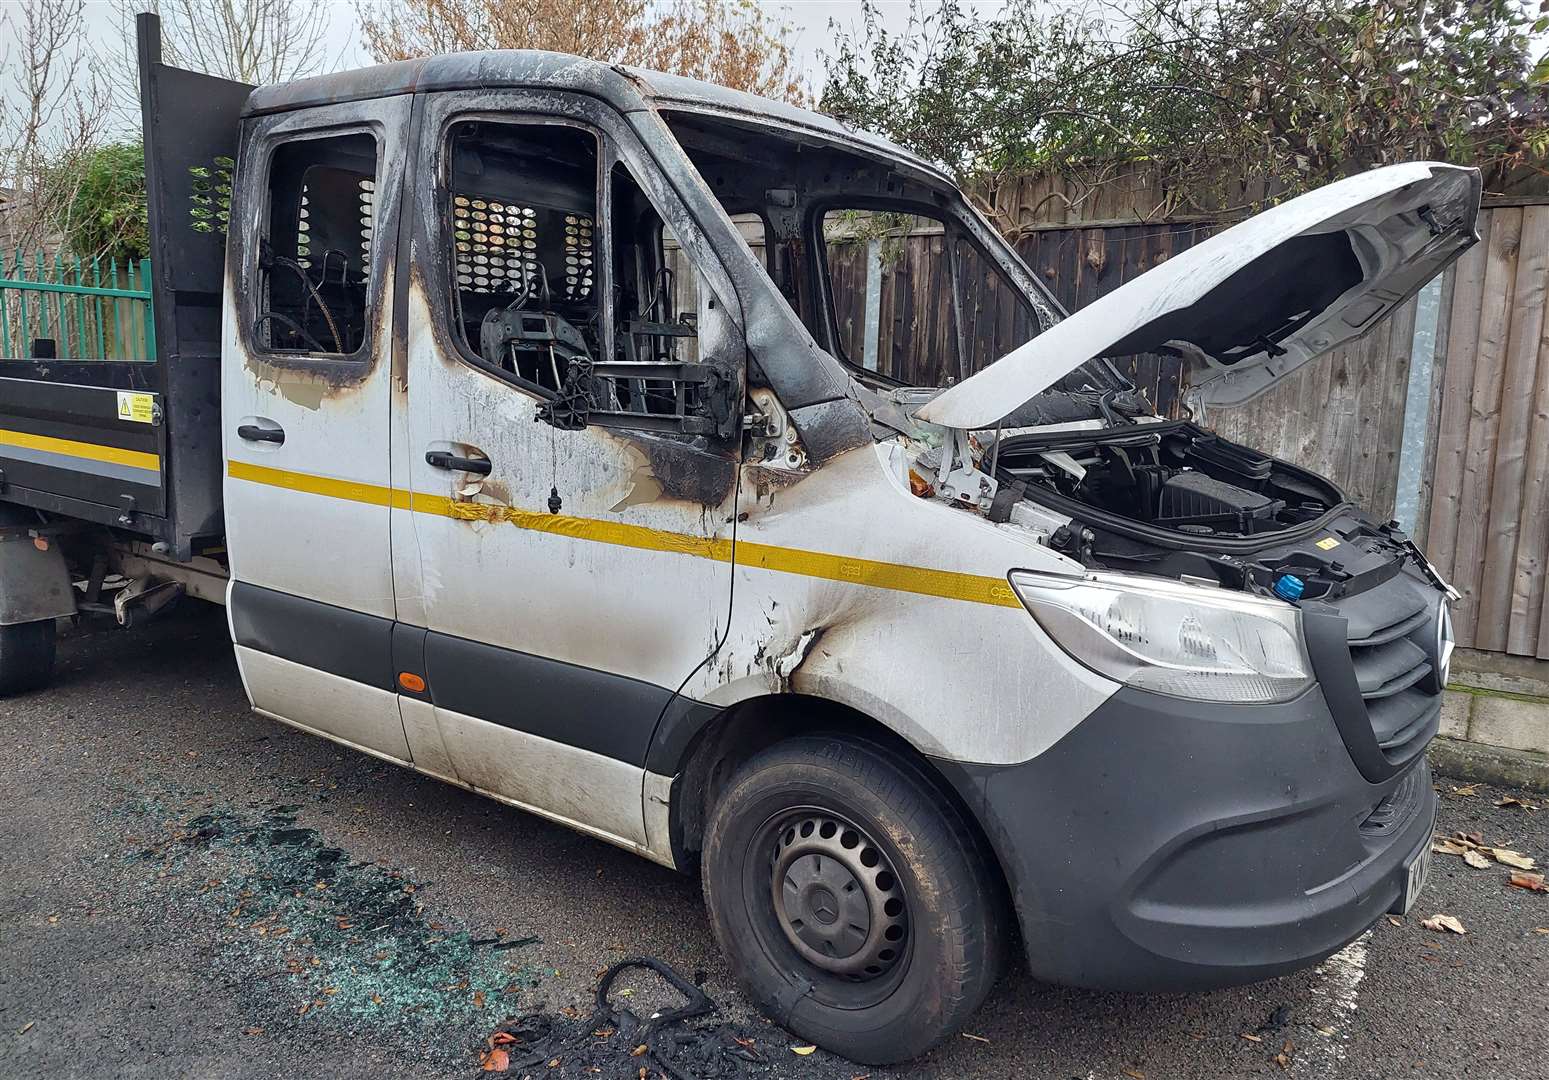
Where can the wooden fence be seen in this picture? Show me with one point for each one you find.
(1489, 500)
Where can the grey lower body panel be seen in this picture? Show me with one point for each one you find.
(1167, 845)
(601, 712)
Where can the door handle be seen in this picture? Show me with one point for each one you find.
(254, 433)
(442, 459)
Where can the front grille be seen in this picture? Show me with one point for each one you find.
(1391, 634)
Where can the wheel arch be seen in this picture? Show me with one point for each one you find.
(731, 735)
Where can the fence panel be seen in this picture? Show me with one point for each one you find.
(57, 308)
(1489, 512)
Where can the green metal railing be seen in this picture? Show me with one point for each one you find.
(76, 310)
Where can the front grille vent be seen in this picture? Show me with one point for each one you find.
(1391, 629)
(1398, 805)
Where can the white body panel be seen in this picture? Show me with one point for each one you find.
(489, 570)
(566, 782)
(350, 712)
(939, 650)
(330, 549)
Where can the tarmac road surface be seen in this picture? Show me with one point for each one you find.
(187, 889)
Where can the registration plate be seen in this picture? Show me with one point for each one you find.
(1416, 873)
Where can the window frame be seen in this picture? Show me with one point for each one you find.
(620, 143)
(444, 231)
(261, 190)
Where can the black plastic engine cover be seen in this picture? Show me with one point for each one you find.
(1193, 498)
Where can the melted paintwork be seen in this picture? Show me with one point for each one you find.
(958, 679)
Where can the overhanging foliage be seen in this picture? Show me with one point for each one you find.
(1203, 92)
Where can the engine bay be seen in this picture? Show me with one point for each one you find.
(1171, 498)
(1172, 476)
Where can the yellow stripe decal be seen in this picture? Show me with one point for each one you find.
(896, 577)
(310, 483)
(114, 455)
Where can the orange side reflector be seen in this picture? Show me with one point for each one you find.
(411, 682)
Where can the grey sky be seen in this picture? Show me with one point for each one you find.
(809, 19)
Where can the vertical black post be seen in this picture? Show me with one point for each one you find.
(190, 121)
(147, 32)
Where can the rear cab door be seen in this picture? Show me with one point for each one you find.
(305, 391)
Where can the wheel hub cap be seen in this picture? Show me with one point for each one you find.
(837, 898)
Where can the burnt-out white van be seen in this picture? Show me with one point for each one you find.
(515, 463)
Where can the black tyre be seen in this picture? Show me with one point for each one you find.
(26, 656)
(851, 898)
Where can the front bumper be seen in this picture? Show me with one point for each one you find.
(1170, 845)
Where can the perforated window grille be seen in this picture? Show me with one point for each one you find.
(304, 230)
(497, 244)
(578, 256)
(497, 247)
(367, 221)
(366, 194)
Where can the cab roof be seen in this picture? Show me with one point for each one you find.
(627, 89)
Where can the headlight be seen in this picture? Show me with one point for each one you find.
(1185, 640)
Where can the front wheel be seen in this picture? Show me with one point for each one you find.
(851, 898)
(26, 656)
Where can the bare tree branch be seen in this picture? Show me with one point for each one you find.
(53, 107)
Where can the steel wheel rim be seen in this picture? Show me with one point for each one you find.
(836, 897)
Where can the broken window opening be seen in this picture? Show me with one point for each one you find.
(520, 214)
(531, 298)
(314, 256)
(914, 299)
(848, 296)
(658, 297)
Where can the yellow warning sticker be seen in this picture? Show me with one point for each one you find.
(1328, 543)
(138, 408)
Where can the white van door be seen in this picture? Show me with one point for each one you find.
(305, 392)
(572, 532)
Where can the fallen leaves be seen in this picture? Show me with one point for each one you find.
(1250, 1038)
(1530, 882)
(1512, 800)
(1514, 859)
(496, 1058)
(1478, 854)
(975, 1038)
(1443, 924)
(28, 1026)
(1134, 1074)
(1283, 1059)
(1468, 791)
